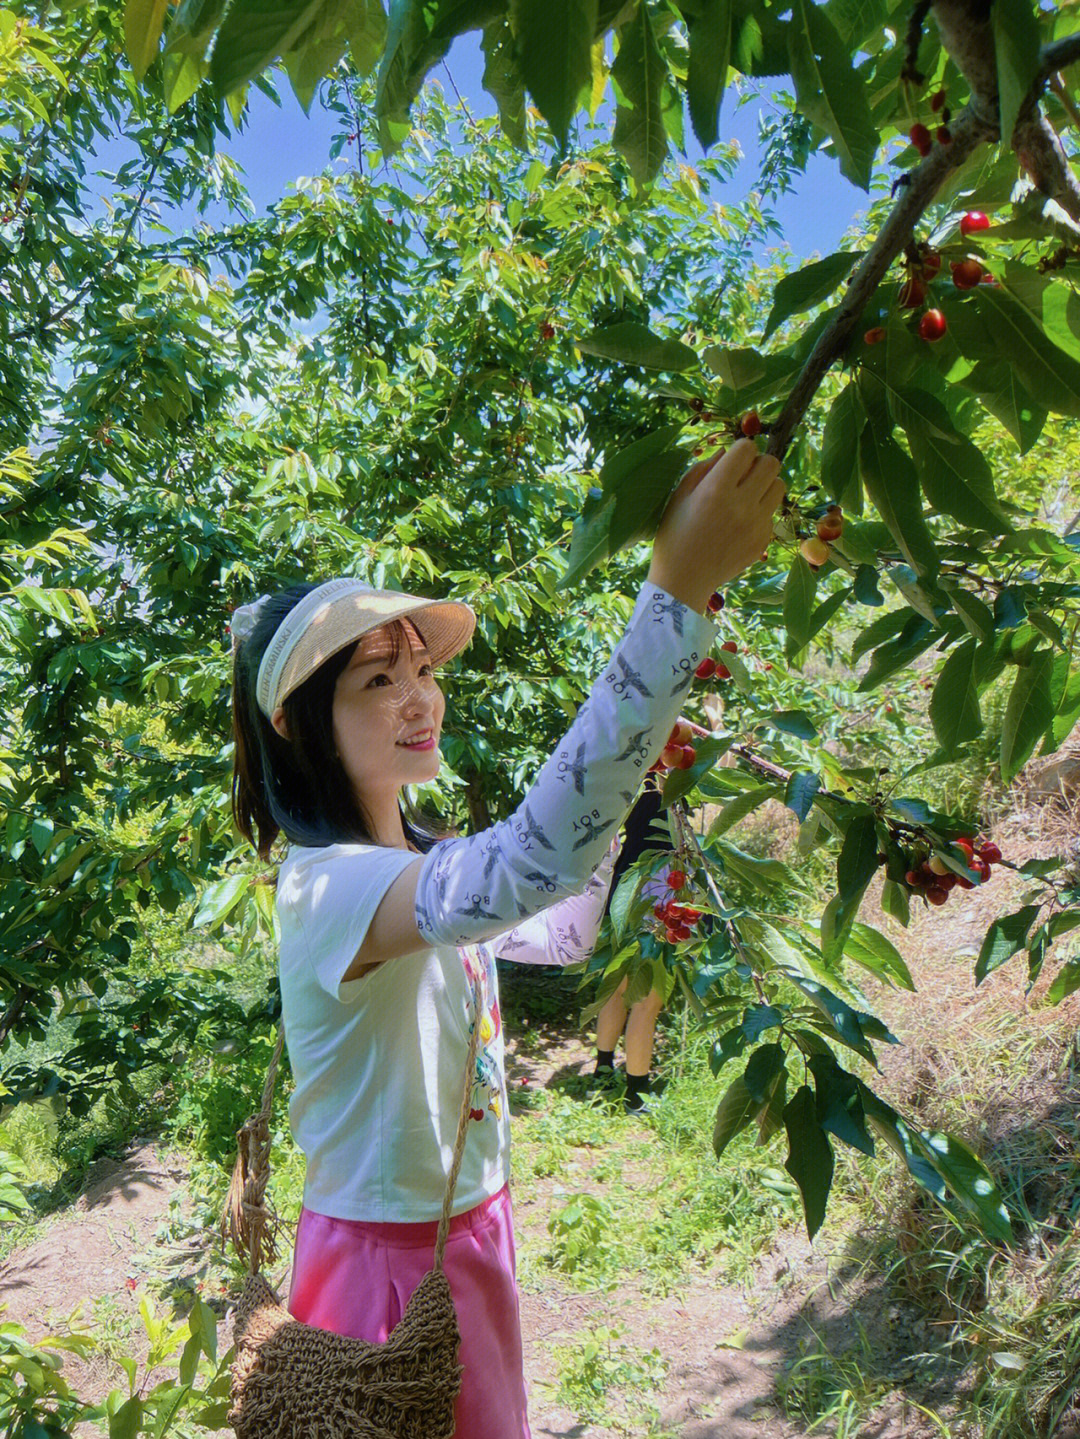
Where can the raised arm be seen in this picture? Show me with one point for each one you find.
(470, 889)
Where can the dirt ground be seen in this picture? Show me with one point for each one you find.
(723, 1345)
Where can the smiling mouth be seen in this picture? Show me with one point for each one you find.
(424, 741)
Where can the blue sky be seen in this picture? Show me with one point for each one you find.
(279, 144)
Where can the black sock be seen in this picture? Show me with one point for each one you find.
(636, 1086)
(605, 1059)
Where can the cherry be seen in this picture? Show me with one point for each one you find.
(706, 669)
(676, 879)
(980, 867)
(689, 755)
(547, 330)
(716, 602)
(948, 880)
(814, 551)
(930, 264)
(831, 524)
(681, 733)
(966, 274)
(920, 138)
(730, 647)
(938, 865)
(937, 894)
(697, 404)
(751, 424)
(990, 852)
(722, 672)
(874, 336)
(671, 756)
(933, 325)
(971, 222)
(937, 101)
(913, 879)
(912, 293)
(964, 882)
(965, 844)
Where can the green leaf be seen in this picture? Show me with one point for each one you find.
(219, 900)
(1043, 369)
(733, 1113)
(840, 450)
(830, 93)
(978, 618)
(793, 722)
(871, 949)
(810, 1156)
(1065, 982)
(892, 484)
(805, 288)
(640, 73)
(1027, 714)
(762, 873)
(857, 860)
(253, 34)
(739, 807)
(998, 387)
(801, 789)
(968, 1180)
(706, 75)
(635, 344)
(798, 604)
(844, 1022)
(866, 586)
(554, 46)
(502, 79)
(418, 37)
(1005, 937)
(955, 474)
(143, 23)
(954, 705)
(1016, 47)
(838, 1103)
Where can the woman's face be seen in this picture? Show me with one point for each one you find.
(388, 715)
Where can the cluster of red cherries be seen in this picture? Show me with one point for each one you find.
(920, 135)
(678, 753)
(933, 878)
(923, 267)
(678, 919)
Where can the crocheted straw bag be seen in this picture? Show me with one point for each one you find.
(296, 1381)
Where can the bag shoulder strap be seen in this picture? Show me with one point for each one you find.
(252, 1227)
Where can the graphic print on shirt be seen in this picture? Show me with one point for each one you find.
(487, 1091)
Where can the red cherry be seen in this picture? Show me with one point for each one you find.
(722, 672)
(920, 138)
(937, 101)
(965, 883)
(948, 880)
(681, 733)
(912, 293)
(971, 222)
(716, 602)
(966, 274)
(931, 264)
(937, 894)
(671, 756)
(965, 844)
(933, 325)
(547, 330)
(874, 336)
(676, 879)
(673, 935)
(706, 669)
(913, 879)
(730, 647)
(479, 1113)
(990, 852)
(751, 424)
(689, 755)
(829, 532)
(980, 867)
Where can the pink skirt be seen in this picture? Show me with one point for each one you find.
(355, 1278)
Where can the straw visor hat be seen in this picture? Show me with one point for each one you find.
(341, 611)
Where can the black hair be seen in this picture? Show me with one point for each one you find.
(298, 786)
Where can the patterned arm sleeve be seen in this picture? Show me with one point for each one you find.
(473, 888)
(566, 932)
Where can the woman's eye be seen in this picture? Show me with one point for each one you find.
(378, 679)
(427, 671)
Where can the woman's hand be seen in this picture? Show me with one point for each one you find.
(716, 523)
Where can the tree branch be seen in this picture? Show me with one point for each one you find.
(969, 131)
(1042, 155)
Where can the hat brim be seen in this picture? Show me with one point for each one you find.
(445, 626)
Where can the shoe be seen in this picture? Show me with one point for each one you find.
(641, 1103)
(606, 1077)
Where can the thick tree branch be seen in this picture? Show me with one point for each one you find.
(969, 131)
(1042, 155)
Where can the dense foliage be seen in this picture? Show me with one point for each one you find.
(483, 376)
